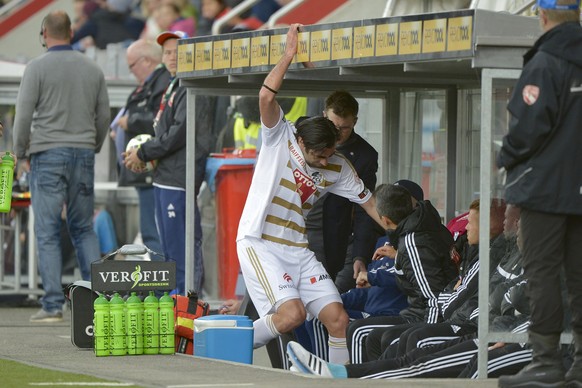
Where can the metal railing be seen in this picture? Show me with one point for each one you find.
(282, 12)
(236, 11)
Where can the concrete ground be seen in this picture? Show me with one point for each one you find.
(49, 346)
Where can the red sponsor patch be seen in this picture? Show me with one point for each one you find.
(305, 186)
(530, 94)
(363, 194)
(312, 279)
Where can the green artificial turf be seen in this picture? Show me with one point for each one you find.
(18, 375)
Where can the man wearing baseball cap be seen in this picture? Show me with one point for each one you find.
(168, 147)
(542, 156)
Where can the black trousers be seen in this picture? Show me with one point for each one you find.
(552, 242)
(421, 335)
(452, 358)
(364, 336)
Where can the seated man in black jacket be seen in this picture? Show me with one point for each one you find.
(423, 266)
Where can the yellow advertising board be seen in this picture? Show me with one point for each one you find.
(434, 36)
(341, 43)
(364, 41)
(278, 43)
(260, 50)
(460, 33)
(303, 47)
(241, 52)
(185, 58)
(320, 45)
(203, 56)
(221, 52)
(409, 37)
(387, 39)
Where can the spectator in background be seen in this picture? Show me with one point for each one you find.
(260, 14)
(211, 11)
(148, 10)
(168, 147)
(62, 119)
(168, 18)
(112, 23)
(144, 58)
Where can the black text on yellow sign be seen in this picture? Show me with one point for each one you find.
(320, 45)
(341, 47)
(387, 39)
(277, 48)
(260, 50)
(203, 56)
(241, 52)
(409, 37)
(185, 58)
(303, 47)
(434, 36)
(364, 41)
(460, 33)
(221, 51)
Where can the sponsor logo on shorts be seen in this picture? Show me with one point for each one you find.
(284, 286)
(287, 277)
(318, 278)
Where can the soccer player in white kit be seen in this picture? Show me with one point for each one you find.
(294, 168)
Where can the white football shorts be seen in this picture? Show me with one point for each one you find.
(274, 272)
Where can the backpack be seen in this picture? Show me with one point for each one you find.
(186, 309)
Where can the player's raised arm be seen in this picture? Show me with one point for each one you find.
(268, 105)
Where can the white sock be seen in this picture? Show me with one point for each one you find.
(338, 350)
(265, 331)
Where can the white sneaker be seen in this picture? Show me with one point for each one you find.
(43, 316)
(306, 362)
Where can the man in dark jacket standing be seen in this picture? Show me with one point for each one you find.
(542, 154)
(144, 58)
(334, 222)
(169, 149)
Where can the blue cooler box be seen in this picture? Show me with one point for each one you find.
(224, 337)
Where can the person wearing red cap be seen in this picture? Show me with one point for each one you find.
(542, 156)
(168, 147)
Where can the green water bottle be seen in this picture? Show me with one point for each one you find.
(166, 324)
(6, 177)
(101, 325)
(118, 327)
(134, 320)
(151, 328)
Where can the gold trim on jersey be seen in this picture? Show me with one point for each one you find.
(283, 241)
(288, 224)
(261, 276)
(287, 205)
(288, 184)
(331, 167)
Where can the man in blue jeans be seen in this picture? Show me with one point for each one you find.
(62, 119)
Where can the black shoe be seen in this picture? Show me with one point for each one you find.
(534, 375)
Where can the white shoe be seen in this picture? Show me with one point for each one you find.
(305, 362)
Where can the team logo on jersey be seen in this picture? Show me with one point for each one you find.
(317, 177)
(305, 186)
(318, 278)
(287, 277)
(530, 94)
